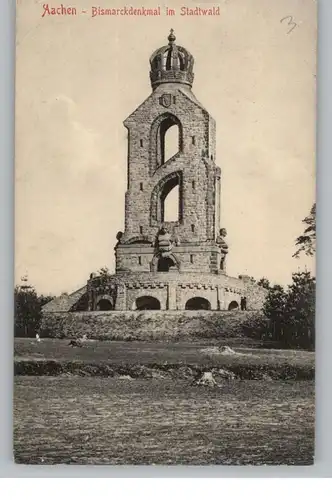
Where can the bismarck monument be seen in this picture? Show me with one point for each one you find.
(162, 264)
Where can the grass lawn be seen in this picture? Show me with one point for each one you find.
(93, 420)
(145, 352)
(54, 356)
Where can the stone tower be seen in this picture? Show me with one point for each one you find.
(162, 262)
(152, 175)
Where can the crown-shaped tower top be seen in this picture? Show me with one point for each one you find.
(171, 64)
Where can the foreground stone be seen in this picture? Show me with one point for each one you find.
(206, 379)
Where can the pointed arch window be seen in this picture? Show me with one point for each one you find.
(167, 199)
(171, 205)
(166, 139)
(170, 201)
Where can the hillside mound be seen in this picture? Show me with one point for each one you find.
(147, 325)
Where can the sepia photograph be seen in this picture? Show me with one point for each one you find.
(165, 233)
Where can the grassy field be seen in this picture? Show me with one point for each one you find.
(103, 358)
(93, 420)
(135, 403)
(145, 352)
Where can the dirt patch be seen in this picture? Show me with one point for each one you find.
(222, 350)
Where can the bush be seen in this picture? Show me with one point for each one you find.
(291, 313)
(288, 319)
(28, 307)
(256, 327)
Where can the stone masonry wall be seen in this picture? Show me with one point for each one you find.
(256, 296)
(194, 258)
(187, 292)
(197, 141)
(159, 292)
(173, 289)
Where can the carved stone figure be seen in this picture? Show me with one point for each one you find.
(177, 241)
(119, 237)
(223, 247)
(163, 243)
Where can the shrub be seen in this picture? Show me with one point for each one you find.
(28, 307)
(291, 313)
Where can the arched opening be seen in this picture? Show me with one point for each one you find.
(197, 303)
(169, 138)
(147, 303)
(104, 305)
(167, 199)
(139, 240)
(170, 202)
(164, 264)
(171, 205)
(170, 142)
(233, 305)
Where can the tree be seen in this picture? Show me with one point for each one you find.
(104, 276)
(306, 242)
(274, 310)
(104, 271)
(27, 309)
(300, 310)
(44, 299)
(265, 283)
(291, 313)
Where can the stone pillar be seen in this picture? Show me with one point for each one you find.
(120, 304)
(171, 296)
(221, 298)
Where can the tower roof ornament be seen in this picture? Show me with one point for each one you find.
(171, 37)
(171, 64)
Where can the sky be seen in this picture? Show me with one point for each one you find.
(77, 80)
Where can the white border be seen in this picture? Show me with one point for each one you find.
(323, 464)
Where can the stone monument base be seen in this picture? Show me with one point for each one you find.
(165, 291)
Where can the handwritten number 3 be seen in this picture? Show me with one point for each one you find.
(290, 23)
